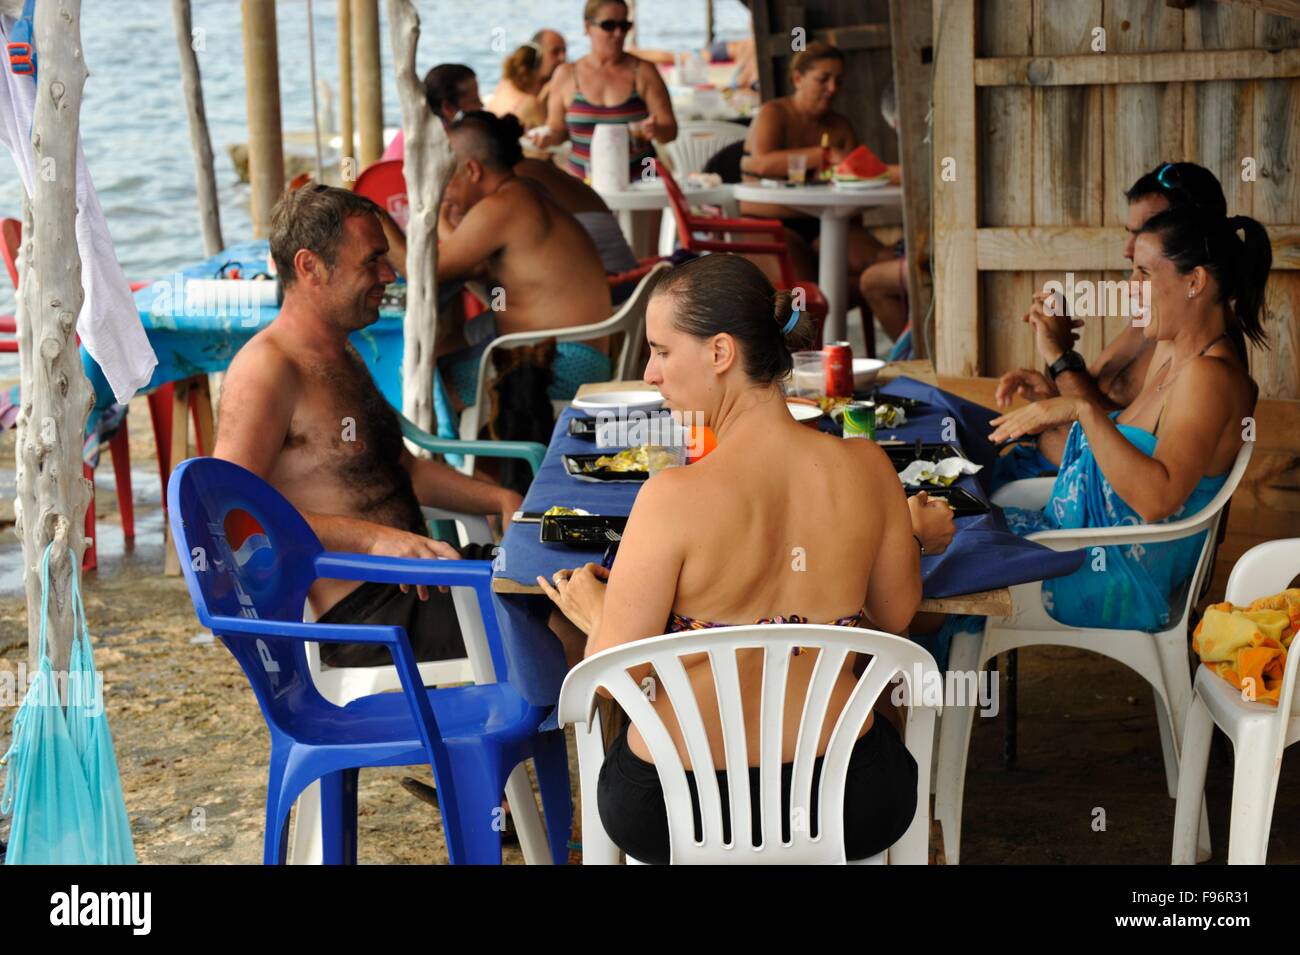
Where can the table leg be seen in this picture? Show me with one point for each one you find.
(201, 407)
(179, 451)
(1011, 666)
(833, 273)
(627, 225)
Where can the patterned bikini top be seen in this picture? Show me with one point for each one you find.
(679, 624)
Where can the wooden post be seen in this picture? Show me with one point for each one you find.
(347, 149)
(55, 395)
(709, 28)
(200, 141)
(262, 84)
(370, 95)
(428, 166)
(958, 340)
(910, 32)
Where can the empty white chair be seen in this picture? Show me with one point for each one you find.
(1259, 732)
(890, 657)
(1159, 658)
(628, 321)
(698, 141)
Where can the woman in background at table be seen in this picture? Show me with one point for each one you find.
(778, 524)
(795, 125)
(608, 85)
(1169, 452)
(518, 92)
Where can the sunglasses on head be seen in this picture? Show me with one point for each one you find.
(609, 26)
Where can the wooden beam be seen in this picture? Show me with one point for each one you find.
(1089, 69)
(347, 129)
(370, 95)
(958, 340)
(1285, 8)
(262, 91)
(910, 26)
(864, 36)
(1027, 248)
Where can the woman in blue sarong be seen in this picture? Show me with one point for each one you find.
(1167, 454)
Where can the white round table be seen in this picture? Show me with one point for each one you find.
(834, 207)
(647, 195)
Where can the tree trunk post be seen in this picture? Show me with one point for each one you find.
(370, 90)
(427, 167)
(262, 89)
(347, 148)
(56, 397)
(200, 141)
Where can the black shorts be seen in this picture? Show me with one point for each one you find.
(879, 798)
(431, 625)
(808, 227)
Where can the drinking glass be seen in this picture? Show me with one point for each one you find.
(796, 168)
(808, 378)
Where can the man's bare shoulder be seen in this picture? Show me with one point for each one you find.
(265, 360)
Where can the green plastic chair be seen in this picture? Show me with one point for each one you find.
(529, 451)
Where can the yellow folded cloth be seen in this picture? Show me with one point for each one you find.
(1247, 646)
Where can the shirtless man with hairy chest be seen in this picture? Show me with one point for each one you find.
(300, 410)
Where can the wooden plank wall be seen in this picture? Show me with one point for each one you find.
(1054, 155)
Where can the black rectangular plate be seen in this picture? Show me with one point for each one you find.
(586, 427)
(904, 454)
(574, 463)
(963, 502)
(580, 530)
(907, 404)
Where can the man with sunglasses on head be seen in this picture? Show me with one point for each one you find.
(1116, 377)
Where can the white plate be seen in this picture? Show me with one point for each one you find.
(620, 401)
(860, 185)
(865, 371)
(803, 412)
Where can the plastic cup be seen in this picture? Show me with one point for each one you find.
(808, 377)
(796, 168)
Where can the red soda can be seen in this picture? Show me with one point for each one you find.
(839, 370)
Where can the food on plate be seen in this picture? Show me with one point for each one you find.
(859, 165)
(646, 457)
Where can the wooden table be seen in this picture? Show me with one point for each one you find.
(988, 603)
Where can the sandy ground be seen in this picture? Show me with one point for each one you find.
(192, 746)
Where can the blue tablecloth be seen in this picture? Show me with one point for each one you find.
(984, 554)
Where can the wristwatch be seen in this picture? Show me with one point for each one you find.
(1070, 361)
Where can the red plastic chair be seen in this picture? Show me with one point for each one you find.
(688, 224)
(382, 182)
(11, 233)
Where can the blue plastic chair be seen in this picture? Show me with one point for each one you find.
(249, 581)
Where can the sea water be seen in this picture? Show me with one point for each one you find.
(133, 118)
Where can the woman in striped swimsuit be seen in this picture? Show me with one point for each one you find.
(607, 86)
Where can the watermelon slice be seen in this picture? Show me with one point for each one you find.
(862, 163)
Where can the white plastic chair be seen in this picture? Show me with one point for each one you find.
(342, 685)
(698, 141)
(1259, 732)
(890, 657)
(629, 321)
(1159, 658)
